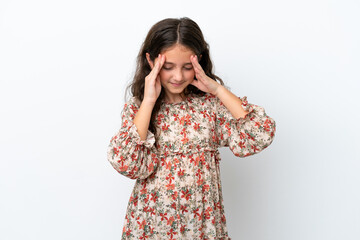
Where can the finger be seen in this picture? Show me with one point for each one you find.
(159, 63)
(199, 72)
(155, 70)
(196, 63)
(150, 75)
(162, 61)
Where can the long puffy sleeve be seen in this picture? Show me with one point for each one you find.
(127, 153)
(244, 136)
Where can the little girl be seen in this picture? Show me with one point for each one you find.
(178, 117)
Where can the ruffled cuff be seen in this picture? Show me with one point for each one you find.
(148, 142)
(247, 107)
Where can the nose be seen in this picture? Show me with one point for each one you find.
(178, 76)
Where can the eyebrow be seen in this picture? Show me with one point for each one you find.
(175, 64)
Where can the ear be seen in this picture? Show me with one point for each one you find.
(149, 60)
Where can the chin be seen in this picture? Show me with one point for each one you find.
(176, 90)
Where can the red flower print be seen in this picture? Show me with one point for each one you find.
(163, 216)
(207, 212)
(123, 168)
(223, 219)
(128, 232)
(182, 228)
(151, 167)
(146, 200)
(143, 191)
(116, 151)
(170, 220)
(135, 200)
(125, 123)
(192, 109)
(165, 127)
(121, 160)
(168, 165)
(198, 173)
(208, 97)
(183, 209)
(183, 132)
(171, 233)
(205, 188)
(154, 197)
(188, 119)
(242, 135)
(174, 195)
(144, 236)
(217, 205)
(141, 224)
(170, 177)
(185, 140)
(242, 145)
(254, 148)
(205, 114)
(170, 186)
(160, 116)
(197, 214)
(181, 172)
(186, 194)
(196, 161)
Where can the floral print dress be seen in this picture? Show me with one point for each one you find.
(177, 193)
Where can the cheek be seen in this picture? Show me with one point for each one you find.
(189, 75)
(164, 75)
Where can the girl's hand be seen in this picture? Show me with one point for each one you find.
(203, 82)
(152, 81)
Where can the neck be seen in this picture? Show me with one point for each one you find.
(174, 99)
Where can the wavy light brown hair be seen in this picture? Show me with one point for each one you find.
(164, 34)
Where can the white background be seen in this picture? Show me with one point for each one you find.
(64, 66)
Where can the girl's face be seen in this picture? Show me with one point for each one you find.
(177, 72)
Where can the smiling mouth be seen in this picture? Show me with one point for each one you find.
(177, 84)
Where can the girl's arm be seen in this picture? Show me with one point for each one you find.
(231, 102)
(246, 135)
(128, 154)
(245, 128)
(151, 93)
(142, 118)
(132, 150)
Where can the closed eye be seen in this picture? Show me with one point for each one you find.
(186, 68)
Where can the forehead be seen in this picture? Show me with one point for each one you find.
(177, 54)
